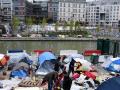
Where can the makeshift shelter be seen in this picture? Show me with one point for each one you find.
(16, 56)
(110, 84)
(20, 70)
(46, 56)
(46, 61)
(112, 64)
(45, 67)
(91, 52)
(68, 52)
(41, 51)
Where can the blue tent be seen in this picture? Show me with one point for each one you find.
(110, 84)
(114, 66)
(45, 56)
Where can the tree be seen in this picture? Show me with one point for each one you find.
(71, 25)
(77, 25)
(98, 29)
(44, 23)
(15, 23)
(29, 21)
(56, 26)
(65, 25)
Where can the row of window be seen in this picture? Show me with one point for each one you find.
(75, 5)
(72, 15)
(68, 19)
(72, 10)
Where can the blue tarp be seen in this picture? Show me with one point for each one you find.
(19, 73)
(110, 84)
(45, 56)
(114, 66)
(15, 51)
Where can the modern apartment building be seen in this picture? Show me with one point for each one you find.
(40, 9)
(53, 9)
(72, 10)
(6, 6)
(22, 9)
(103, 13)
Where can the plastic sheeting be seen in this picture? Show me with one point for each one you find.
(45, 68)
(112, 64)
(8, 84)
(16, 57)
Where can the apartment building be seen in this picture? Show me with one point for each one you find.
(53, 9)
(22, 9)
(103, 13)
(1, 15)
(72, 10)
(6, 6)
(40, 9)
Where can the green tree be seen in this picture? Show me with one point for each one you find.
(56, 26)
(71, 25)
(98, 29)
(77, 25)
(29, 21)
(65, 25)
(15, 23)
(44, 23)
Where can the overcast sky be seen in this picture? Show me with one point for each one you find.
(87, 0)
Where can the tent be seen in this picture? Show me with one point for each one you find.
(46, 61)
(16, 56)
(110, 84)
(20, 70)
(3, 59)
(46, 56)
(112, 64)
(74, 56)
(45, 67)
(41, 51)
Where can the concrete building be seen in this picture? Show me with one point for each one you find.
(40, 9)
(6, 6)
(72, 10)
(104, 13)
(1, 15)
(53, 9)
(22, 9)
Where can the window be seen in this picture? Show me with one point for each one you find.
(64, 4)
(68, 4)
(60, 4)
(16, 8)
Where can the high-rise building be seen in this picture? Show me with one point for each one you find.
(6, 6)
(72, 10)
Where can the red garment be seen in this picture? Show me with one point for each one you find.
(90, 75)
(58, 81)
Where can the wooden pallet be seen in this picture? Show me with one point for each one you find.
(30, 84)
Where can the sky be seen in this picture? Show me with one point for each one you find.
(87, 0)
